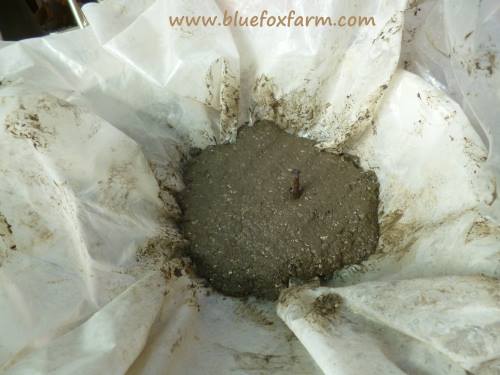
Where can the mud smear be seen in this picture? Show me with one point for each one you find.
(247, 234)
(327, 304)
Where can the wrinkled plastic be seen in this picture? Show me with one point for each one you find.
(454, 45)
(96, 121)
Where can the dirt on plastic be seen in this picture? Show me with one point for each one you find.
(249, 235)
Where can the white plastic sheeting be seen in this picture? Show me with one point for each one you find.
(94, 123)
(453, 44)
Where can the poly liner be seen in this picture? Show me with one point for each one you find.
(96, 121)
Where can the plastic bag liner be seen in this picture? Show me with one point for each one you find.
(94, 123)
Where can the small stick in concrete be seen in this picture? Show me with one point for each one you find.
(296, 189)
